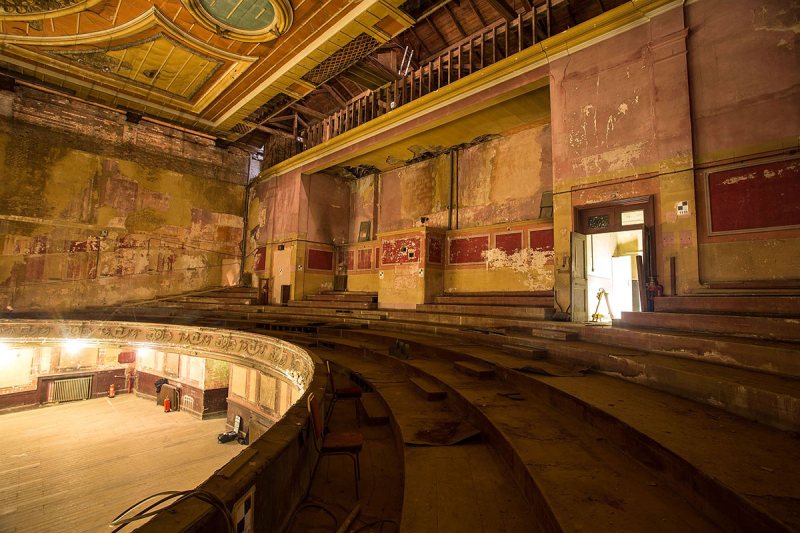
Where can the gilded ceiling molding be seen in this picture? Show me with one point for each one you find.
(102, 61)
(243, 20)
(41, 9)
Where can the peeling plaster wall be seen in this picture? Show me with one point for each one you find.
(745, 88)
(622, 126)
(503, 180)
(96, 211)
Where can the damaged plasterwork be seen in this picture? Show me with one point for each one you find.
(534, 266)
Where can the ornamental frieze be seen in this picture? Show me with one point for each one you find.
(247, 349)
(38, 9)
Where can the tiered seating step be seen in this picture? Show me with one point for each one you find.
(539, 313)
(343, 296)
(775, 328)
(730, 305)
(375, 411)
(531, 301)
(555, 334)
(476, 370)
(216, 300)
(428, 389)
(333, 304)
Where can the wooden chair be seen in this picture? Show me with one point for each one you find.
(334, 443)
(342, 393)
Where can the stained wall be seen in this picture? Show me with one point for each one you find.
(95, 210)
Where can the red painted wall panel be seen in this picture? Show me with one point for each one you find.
(365, 259)
(399, 251)
(320, 259)
(510, 243)
(260, 259)
(759, 196)
(435, 250)
(468, 249)
(542, 239)
(351, 262)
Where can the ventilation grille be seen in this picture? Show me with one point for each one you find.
(68, 390)
(342, 59)
(188, 402)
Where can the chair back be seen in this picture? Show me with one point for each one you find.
(316, 416)
(330, 377)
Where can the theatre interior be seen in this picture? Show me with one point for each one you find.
(426, 266)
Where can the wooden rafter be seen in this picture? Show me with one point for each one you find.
(455, 20)
(275, 131)
(334, 94)
(421, 42)
(308, 111)
(438, 32)
(505, 10)
(477, 13)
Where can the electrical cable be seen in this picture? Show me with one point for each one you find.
(122, 520)
(312, 505)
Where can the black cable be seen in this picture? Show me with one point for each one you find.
(376, 522)
(121, 521)
(313, 505)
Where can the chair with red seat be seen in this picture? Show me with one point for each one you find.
(342, 393)
(334, 443)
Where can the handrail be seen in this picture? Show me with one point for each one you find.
(473, 53)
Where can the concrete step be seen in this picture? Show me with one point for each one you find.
(363, 293)
(374, 409)
(540, 313)
(465, 320)
(332, 304)
(528, 301)
(216, 300)
(773, 357)
(772, 328)
(342, 296)
(788, 306)
(476, 370)
(555, 334)
(429, 390)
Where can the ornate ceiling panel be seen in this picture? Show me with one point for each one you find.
(40, 9)
(207, 64)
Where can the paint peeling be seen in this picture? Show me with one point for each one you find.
(532, 265)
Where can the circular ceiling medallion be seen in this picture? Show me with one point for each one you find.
(243, 20)
(41, 9)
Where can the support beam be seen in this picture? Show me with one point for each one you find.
(421, 42)
(335, 95)
(455, 20)
(433, 9)
(438, 33)
(308, 111)
(527, 4)
(274, 131)
(477, 13)
(505, 10)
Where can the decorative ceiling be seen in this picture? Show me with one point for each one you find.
(205, 64)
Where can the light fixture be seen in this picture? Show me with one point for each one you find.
(73, 346)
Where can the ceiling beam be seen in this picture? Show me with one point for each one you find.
(455, 20)
(437, 32)
(335, 95)
(477, 13)
(505, 10)
(528, 4)
(308, 111)
(421, 42)
(273, 131)
(433, 9)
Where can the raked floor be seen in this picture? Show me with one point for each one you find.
(74, 467)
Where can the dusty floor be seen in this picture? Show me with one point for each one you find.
(74, 467)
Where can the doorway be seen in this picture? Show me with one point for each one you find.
(611, 269)
(611, 259)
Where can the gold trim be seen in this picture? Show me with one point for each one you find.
(284, 16)
(81, 6)
(234, 64)
(610, 23)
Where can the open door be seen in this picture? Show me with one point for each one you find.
(578, 281)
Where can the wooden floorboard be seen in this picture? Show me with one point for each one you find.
(75, 466)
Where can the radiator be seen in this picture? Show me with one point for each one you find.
(67, 390)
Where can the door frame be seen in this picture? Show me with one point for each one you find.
(583, 224)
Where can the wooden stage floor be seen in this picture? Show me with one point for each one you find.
(74, 467)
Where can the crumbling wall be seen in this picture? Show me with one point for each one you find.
(744, 73)
(95, 210)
